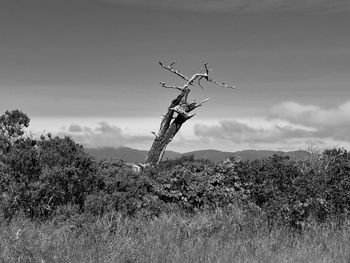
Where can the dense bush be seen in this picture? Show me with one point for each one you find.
(56, 177)
(185, 185)
(37, 176)
(193, 185)
(120, 189)
(294, 192)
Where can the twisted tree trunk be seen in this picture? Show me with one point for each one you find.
(180, 106)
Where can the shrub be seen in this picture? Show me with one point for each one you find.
(295, 192)
(42, 175)
(46, 177)
(192, 185)
(123, 191)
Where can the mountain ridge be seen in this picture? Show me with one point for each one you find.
(138, 156)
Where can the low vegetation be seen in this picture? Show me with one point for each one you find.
(58, 204)
(202, 237)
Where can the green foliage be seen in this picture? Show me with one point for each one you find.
(119, 189)
(50, 176)
(181, 185)
(12, 124)
(294, 193)
(39, 176)
(193, 185)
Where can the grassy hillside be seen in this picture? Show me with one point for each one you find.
(213, 237)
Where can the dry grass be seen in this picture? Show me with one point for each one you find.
(215, 237)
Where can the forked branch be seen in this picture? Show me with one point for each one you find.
(191, 81)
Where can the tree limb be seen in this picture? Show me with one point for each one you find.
(202, 102)
(223, 85)
(193, 105)
(171, 69)
(190, 81)
(162, 84)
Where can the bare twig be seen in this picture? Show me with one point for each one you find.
(202, 102)
(196, 77)
(193, 105)
(155, 135)
(223, 85)
(162, 84)
(207, 70)
(171, 69)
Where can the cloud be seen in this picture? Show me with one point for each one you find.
(331, 122)
(74, 128)
(104, 135)
(246, 6)
(232, 131)
(238, 132)
(288, 124)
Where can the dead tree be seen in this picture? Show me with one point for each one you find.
(179, 110)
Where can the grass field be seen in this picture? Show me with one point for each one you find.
(214, 237)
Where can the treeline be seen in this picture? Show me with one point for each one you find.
(54, 178)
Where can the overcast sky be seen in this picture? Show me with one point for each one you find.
(89, 68)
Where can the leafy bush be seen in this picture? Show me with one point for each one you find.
(38, 179)
(182, 185)
(122, 190)
(294, 192)
(38, 176)
(192, 185)
(52, 176)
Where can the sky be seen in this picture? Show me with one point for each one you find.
(89, 69)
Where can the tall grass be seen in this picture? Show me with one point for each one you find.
(205, 237)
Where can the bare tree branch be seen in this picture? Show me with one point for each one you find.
(193, 105)
(190, 81)
(202, 102)
(223, 85)
(179, 109)
(155, 135)
(207, 70)
(162, 84)
(171, 69)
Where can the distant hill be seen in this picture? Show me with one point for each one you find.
(138, 156)
(255, 154)
(212, 155)
(123, 153)
(245, 155)
(127, 154)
